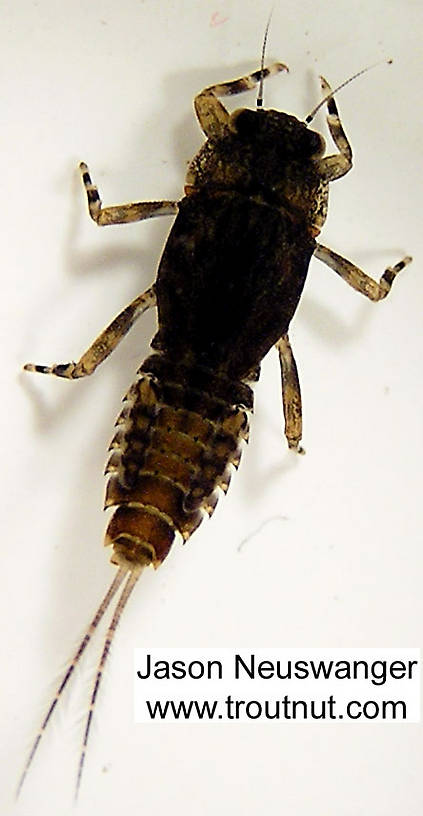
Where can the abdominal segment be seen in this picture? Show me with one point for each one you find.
(178, 438)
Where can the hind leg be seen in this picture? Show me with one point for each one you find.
(291, 394)
(104, 344)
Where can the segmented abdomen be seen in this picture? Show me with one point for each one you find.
(177, 439)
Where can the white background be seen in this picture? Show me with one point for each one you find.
(323, 549)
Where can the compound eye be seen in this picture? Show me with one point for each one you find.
(244, 122)
(316, 143)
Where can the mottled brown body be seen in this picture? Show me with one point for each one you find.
(228, 285)
(177, 437)
(229, 282)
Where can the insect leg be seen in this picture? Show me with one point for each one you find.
(123, 213)
(291, 394)
(333, 167)
(104, 344)
(211, 114)
(355, 276)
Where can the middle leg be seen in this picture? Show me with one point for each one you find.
(123, 213)
(355, 277)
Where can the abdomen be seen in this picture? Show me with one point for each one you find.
(178, 438)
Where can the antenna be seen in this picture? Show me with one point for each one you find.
(259, 103)
(326, 98)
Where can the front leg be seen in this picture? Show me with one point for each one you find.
(123, 213)
(333, 167)
(211, 114)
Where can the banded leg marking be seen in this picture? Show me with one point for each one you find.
(211, 114)
(104, 344)
(333, 167)
(291, 394)
(122, 213)
(355, 277)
